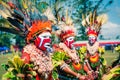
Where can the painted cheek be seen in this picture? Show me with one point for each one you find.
(68, 43)
(37, 41)
(42, 47)
(93, 40)
(71, 42)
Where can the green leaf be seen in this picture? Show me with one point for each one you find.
(112, 72)
(5, 66)
(25, 68)
(54, 75)
(12, 64)
(8, 75)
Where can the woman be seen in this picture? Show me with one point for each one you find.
(93, 57)
(36, 51)
(70, 62)
(36, 29)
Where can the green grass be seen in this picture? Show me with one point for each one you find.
(109, 56)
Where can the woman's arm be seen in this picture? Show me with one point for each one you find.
(67, 69)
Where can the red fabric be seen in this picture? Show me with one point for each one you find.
(37, 77)
(50, 77)
(26, 57)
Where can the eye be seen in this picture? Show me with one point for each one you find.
(93, 37)
(46, 36)
(70, 38)
(90, 37)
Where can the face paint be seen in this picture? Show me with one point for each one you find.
(69, 41)
(43, 41)
(92, 39)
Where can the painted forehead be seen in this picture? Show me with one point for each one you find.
(45, 34)
(71, 37)
(92, 36)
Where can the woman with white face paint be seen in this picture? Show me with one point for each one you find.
(36, 51)
(35, 27)
(67, 70)
(93, 59)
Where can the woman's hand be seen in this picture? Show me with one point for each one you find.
(81, 77)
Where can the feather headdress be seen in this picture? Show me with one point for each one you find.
(24, 18)
(66, 27)
(50, 15)
(93, 23)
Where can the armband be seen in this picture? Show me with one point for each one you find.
(63, 66)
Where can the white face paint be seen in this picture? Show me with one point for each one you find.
(92, 39)
(70, 38)
(43, 41)
(43, 36)
(69, 41)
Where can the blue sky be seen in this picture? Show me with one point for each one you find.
(112, 28)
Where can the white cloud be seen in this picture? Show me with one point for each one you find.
(110, 25)
(110, 30)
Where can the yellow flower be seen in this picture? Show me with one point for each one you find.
(117, 49)
(101, 50)
(83, 50)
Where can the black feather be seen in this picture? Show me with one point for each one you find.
(16, 23)
(18, 14)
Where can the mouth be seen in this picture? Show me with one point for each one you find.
(47, 45)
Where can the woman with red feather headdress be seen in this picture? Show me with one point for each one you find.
(93, 24)
(69, 62)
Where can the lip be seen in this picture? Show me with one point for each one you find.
(47, 45)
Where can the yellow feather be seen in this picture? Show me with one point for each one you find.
(84, 23)
(102, 19)
(6, 6)
(68, 19)
(83, 20)
(3, 14)
(7, 12)
(90, 19)
(94, 16)
(24, 3)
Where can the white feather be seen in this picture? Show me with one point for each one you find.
(50, 15)
(3, 14)
(102, 19)
(83, 22)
